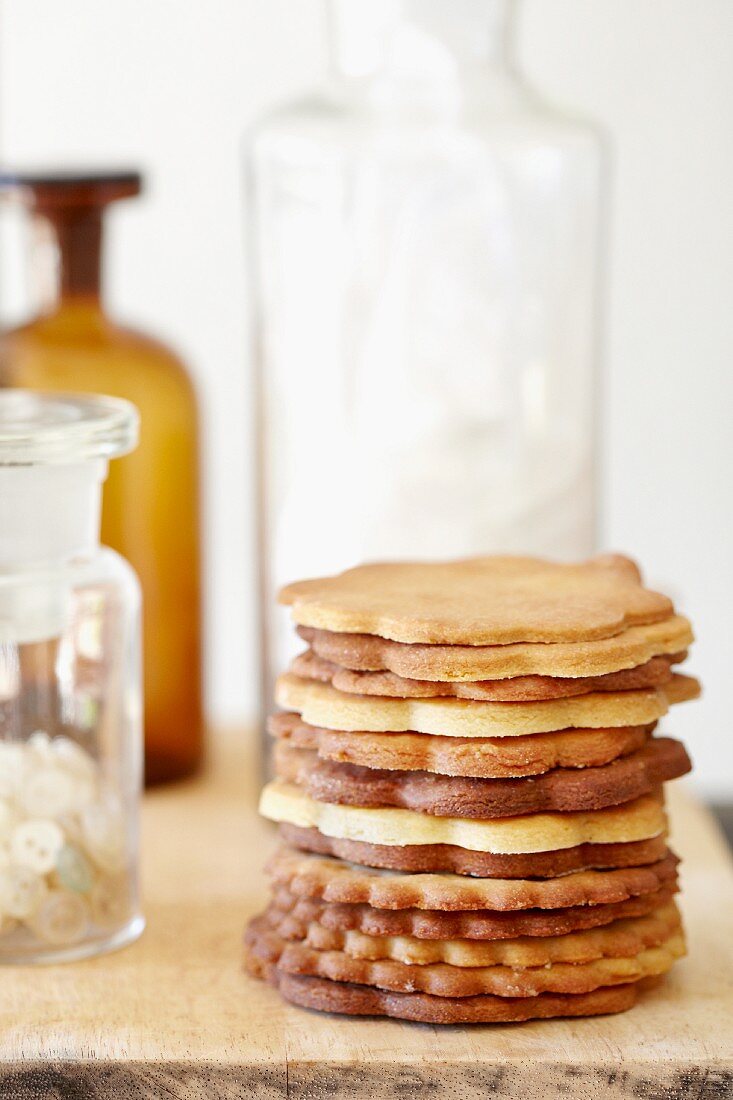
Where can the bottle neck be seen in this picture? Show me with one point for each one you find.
(67, 259)
(51, 513)
(421, 50)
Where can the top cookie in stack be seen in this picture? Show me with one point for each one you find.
(490, 718)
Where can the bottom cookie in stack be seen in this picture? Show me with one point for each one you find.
(442, 949)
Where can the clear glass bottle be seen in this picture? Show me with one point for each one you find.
(424, 254)
(151, 503)
(70, 692)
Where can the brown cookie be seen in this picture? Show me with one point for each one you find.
(619, 939)
(482, 924)
(480, 601)
(355, 1000)
(461, 861)
(444, 980)
(561, 790)
(331, 880)
(481, 757)
(634, 646)
(519, 689)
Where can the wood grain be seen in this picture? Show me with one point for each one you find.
(174, 1016)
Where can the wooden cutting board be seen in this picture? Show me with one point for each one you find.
(175, 1016)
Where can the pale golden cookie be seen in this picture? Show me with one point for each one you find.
(634, 646)
(480, 601)
(639, 820)
(443, 980)
(483, 757)
(333, 880)
(619, 939)
(323, 705)
(295, 914)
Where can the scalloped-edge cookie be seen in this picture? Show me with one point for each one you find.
(477, 924)
(619, 939)
(333, 880)
(655, 672)
(638, 820)
(481, 757)
(461, 861)
(562, 790)
(415, 661)
(444, 980)
(344, 998)
(480, 601)
(323, 705)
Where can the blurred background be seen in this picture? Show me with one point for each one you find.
(173, 87)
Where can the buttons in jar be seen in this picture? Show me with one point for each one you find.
(111, 902)
(74, 870)
(104, 835)
(21, 892)
(36, 844)
(64, 855)
(62, 918)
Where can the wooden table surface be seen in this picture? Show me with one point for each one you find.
(175, 1016)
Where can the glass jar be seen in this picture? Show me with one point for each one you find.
(70, 692)
(424, 254)
(151, 502)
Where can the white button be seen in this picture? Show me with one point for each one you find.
(36, 844)
(74, 870)
(104, 836)
(21, 891)
(49, 792)
(62, 918)
(40, 745)
(74, 758)
(13, 763)
(11, 752)
(7, 819)
(111, 902)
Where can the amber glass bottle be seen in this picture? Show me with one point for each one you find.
(151, 501)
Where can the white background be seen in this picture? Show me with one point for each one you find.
(171, 85)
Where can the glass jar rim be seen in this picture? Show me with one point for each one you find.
(43, 428)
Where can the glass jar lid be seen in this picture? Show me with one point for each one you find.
(64, 428)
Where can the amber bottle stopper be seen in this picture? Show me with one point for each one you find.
(73, 203)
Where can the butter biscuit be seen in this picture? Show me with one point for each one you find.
(480, 601)
(296, 913)
(641, 819)
(322, 705)
(444, 980)
(619, 939)
(333, 880)
(416, 661)
(481, 757)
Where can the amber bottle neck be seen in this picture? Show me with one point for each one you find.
(68, 258)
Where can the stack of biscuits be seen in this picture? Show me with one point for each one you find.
(469, 792)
